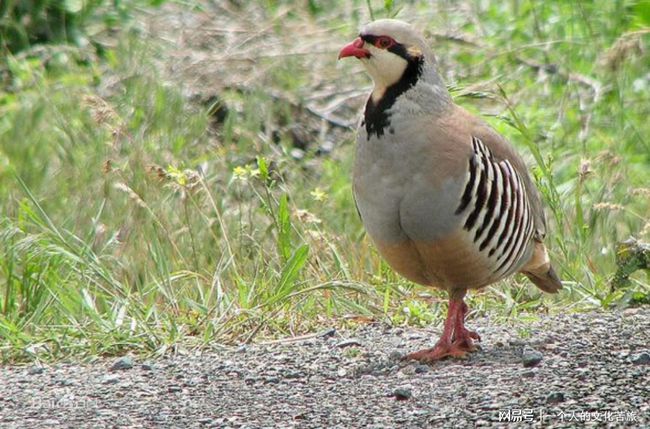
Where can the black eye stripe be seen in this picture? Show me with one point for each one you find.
(397, 48)
(368, 38)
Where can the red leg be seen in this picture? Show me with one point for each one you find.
(463, 337)
(455, 341)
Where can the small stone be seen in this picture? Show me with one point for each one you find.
(349, 342)
(241, 349)
(402, 393)
(531, 357)
(297, 153)
(35, 370)
(528, 374)
(421, 369)
(293, 375)
(123, 363)
(555, 397)
(110, 379)
(406, 372)
(342, 372)
(36, 349)
(272, 380)
(395, 356)
(326, 147)
(641, 359)
(515, 342)
(328, 333)
(146, 366)
(174, 389)
(64, 382)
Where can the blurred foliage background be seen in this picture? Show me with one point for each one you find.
(176, 174)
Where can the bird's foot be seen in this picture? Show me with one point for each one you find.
(464, 339)
(465, 344)
(456, 340)
(441, 350)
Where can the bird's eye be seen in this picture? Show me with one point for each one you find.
(384, 42)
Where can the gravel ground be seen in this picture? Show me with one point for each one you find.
(594, 371)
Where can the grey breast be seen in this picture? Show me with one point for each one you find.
(397, 195)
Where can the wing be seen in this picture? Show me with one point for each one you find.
(495, 211)
(503, 152)
(499, 207)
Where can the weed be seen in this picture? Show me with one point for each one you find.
(132, 219)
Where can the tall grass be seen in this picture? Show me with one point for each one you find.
(132, 219)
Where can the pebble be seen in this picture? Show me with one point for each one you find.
(123, 363)
(395, 355)
(421, 369)
(328, 333)
(147, 366)
(297, 153)
(293, 375)
(326, 146)
(64, 382)
(641, 359)
(531, 357)
(555, 397)
(110, 379)
(35, 370)
(349, 342)
(402, 393)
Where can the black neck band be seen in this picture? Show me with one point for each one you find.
(377, 117)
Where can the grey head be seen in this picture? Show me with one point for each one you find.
(403, 70)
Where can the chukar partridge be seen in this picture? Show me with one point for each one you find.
(445, 199)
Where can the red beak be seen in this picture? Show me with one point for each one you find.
(354, 49)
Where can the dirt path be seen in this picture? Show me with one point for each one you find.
(595, 372)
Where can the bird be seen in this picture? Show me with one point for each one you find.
(445, 199)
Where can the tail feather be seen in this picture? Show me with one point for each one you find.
(548, 281)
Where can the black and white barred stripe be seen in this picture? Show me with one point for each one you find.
(495, 209)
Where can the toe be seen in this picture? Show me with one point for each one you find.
(439, 351)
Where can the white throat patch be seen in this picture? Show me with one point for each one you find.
(385, 68)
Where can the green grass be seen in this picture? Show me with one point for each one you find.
(129, 220)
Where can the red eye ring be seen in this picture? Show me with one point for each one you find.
(384, 42)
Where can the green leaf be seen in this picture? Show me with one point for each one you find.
(290, 273)
(642, 11)
(73, 6)
(263, 167)
(314, 7)
(284, 228)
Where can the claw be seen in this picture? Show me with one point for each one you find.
(456, 341)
